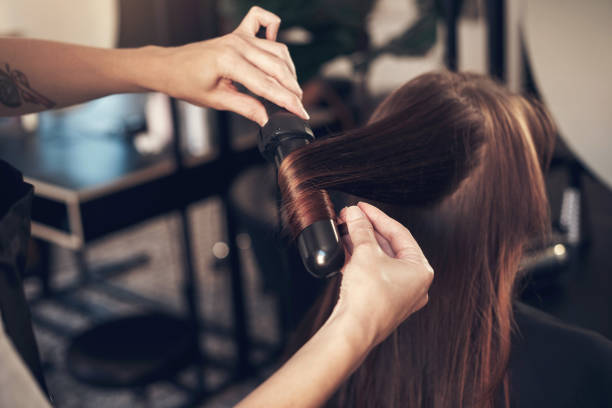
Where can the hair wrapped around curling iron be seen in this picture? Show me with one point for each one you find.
(407, 158)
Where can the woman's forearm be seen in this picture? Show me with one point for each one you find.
(36, 74)
(314, 373)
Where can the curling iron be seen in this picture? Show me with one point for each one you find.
(319, 243)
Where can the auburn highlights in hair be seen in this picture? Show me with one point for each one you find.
(458, 159)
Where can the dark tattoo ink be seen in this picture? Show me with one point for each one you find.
(15, 90)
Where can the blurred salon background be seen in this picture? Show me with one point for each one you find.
(158, 275)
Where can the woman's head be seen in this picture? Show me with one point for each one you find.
(422, 142)
(458, 159)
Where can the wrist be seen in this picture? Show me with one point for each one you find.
(358, 333)
(147, 67)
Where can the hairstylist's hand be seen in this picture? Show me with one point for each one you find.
(386, 278)
(379, 290)
(204, 73)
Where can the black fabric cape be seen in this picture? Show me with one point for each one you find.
(15, 205)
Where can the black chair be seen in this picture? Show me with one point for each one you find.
(132, 352)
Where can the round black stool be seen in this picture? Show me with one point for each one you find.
(132, 351)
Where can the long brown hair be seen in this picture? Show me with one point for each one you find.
(458, 159)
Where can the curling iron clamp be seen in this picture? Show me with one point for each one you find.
(319, 243)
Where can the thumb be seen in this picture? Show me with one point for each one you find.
(359, 227)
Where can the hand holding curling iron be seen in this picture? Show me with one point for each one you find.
(206, 71)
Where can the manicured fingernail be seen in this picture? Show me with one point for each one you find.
(353, 213)
(305, 113)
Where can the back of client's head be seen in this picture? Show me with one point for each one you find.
(458, 159)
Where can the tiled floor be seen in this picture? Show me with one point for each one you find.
(159, 279)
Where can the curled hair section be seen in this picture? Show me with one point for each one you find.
(414, 156)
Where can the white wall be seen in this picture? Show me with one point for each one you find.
(86, 22)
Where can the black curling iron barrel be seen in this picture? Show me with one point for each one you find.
(319, 243)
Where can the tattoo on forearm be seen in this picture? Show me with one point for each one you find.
(15, 90)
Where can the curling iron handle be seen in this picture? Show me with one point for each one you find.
(272, 108)
(319, 244)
